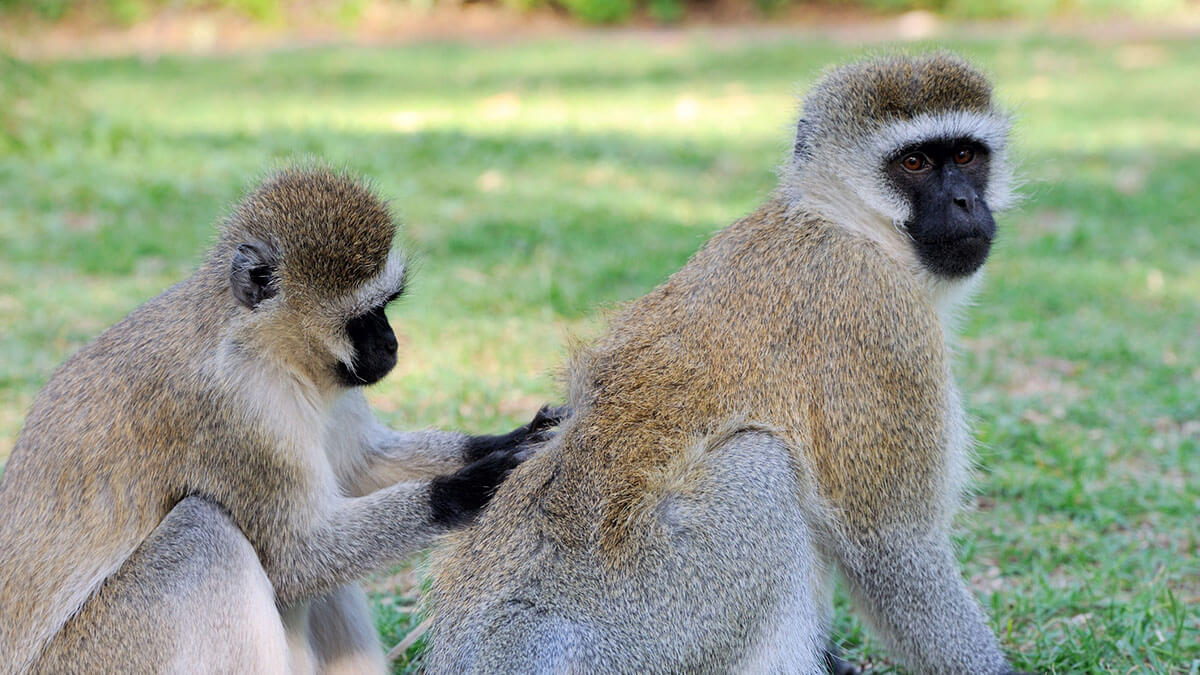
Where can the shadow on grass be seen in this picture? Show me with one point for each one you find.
(613, 215)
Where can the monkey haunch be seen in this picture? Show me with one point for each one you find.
(781, 407)
(211, 458)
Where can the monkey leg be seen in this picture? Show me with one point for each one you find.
(720, 575)
(342, 635)
(191, 599)
(911, 591)
(749, 484)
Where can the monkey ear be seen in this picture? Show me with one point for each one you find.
(803, 147)
(252, 273)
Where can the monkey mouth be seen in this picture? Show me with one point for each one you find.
(975, 240)
(969, 253)
(971, 242)
(956, 257)
(366, 372)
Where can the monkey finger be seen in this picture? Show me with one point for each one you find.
(549, 416)
(534, 445)
(538, 438)
(478, 447)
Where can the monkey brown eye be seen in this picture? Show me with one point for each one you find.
(913, 162)
(964, 156)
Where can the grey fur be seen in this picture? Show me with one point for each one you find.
(143, 619)
(780, 408)
(562, 611)
(115, 557)
(850, 123)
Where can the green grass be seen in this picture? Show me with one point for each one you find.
(541, 182)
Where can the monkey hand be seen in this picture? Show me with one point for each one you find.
(456, 499)
(539, 430)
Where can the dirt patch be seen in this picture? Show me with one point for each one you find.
(199, 31)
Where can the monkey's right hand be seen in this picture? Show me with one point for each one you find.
(539, 430)
(456, 499)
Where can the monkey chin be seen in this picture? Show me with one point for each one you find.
(955, 258)
(367, 372)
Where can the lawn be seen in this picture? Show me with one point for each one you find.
(539, 183)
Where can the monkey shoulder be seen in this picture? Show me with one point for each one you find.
(871, 334)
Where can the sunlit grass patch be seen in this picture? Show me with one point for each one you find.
(540, 183)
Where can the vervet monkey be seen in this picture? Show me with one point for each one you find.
(779, 408)
(199, 488)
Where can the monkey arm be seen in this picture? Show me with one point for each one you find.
(894, 448)
(390, 457)
(903, 575)
(369, 456)
(888, 451)
(348, 537)
(910, 587)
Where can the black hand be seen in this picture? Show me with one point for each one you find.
(457, 498)
(537, 431)
(548, 417)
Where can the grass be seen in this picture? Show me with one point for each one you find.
(539, 182)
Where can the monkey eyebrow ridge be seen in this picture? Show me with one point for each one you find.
(389, 284)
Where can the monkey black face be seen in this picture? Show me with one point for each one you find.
(374, 348)
(253, 278)
(951, 225)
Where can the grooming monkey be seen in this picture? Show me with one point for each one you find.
(199, 488)
(779, 408)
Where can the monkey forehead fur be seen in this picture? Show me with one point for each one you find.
(327, 228)
(858, 116)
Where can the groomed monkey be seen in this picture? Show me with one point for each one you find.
(779, 408)
(199, 488)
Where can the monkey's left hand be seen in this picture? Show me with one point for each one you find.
(539, 430)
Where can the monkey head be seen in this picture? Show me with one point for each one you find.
(912, 146)
(308, 257)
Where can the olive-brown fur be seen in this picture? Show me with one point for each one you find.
(885, 89)
(720, 343)
(780, 405)
(315, 207)
(201, 457)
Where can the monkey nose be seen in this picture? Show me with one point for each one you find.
(966, 203)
